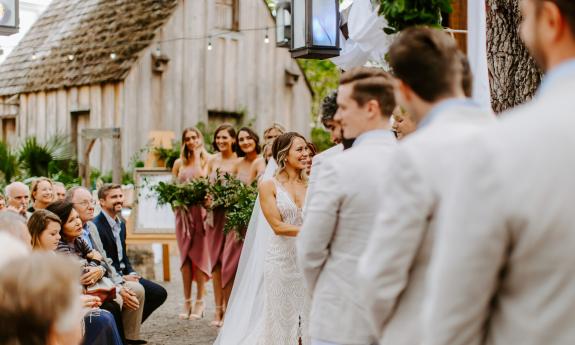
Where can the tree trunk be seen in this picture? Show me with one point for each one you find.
(513, 75)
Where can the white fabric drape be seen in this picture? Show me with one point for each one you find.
(477, 51)
(367, 41)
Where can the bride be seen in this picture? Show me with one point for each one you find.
(269, 305)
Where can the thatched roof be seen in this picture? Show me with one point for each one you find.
(73, 39)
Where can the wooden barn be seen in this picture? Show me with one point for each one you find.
(147, 65)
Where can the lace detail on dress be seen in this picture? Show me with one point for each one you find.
(286, 306)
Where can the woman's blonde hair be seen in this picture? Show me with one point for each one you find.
(35, 183)
(38, 294)
(38, 222)
(186, 155)
(280, 151)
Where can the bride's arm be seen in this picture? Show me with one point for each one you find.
(271, 212)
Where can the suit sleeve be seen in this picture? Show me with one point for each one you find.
(396, 238)
(316, 163)
(319, 224)
(470, 252)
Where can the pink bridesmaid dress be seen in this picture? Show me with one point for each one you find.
(232, 248)
(190, 233)
(215, 237)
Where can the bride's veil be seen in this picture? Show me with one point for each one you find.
(245, 308)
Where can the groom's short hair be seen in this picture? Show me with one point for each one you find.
(371, 84)
(428, 61)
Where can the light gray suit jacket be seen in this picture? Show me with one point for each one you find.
(394, 266)
(503, 270)
(316, 165)
(335, 232)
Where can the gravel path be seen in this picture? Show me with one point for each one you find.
(164, 328)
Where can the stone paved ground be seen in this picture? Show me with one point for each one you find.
(164, 328)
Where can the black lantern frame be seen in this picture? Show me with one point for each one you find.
(5, 28)
(310, 50)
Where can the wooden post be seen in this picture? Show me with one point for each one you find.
(166, 261)
(89, 137)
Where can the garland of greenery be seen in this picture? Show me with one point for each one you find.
(401, 14)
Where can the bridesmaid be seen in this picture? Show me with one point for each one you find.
(223, 161)
(259, 165)
(249, 149)
(190, 234)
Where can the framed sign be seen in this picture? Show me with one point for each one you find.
(149, 217)
(9, 17)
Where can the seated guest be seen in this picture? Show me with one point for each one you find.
(131, 294)
(59, 190)
(18, 197)
(72, 244)
(15, 225)
(42, 193)
(40, 301)
(100, 326)
(112, 231)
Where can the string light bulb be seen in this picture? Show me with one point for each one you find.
(113, 56)
(70, 57)
(34, 56)
(210, 44)
(158, 51)
(267, 38)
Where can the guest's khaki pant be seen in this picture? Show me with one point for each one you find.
(132, 319)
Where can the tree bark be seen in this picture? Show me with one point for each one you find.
(513, 75)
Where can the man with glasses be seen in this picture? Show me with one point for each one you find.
(131, 293)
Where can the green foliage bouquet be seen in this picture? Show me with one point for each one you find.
(239, 214)
(182, 195)
(401, 14)
(238, 199)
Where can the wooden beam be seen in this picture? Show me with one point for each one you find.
(101, 133)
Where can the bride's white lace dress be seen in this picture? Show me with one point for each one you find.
(286, 306)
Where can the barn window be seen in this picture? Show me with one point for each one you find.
(216, 118)
(227, 15)
(9, 130)
(79, 120)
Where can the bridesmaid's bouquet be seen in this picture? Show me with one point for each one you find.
(223, 192)
(239, 214)
(236, 198)
(182, 195)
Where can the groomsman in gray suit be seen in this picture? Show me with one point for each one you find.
(429, 70)
(342, 207)
(503, 270)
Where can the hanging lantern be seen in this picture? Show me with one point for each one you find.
(9, 17)
(283, 23)
(315, 29)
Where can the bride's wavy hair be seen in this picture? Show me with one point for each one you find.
(280, 151)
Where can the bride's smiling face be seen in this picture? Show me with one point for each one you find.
(298, 154)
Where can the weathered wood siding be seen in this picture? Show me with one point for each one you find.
(241, 74)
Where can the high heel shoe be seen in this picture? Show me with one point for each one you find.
(188, 312)
(198, 311)
(219, 312)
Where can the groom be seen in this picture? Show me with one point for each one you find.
(342, 207)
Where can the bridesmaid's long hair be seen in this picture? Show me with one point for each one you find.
(186, 155)
(280, 151)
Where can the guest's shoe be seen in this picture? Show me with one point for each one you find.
(188, 310)
(198, 311)
(219, 312)
(136, 342)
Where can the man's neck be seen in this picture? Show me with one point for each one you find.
(111, 214)
(382, 124)
(426, 107)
